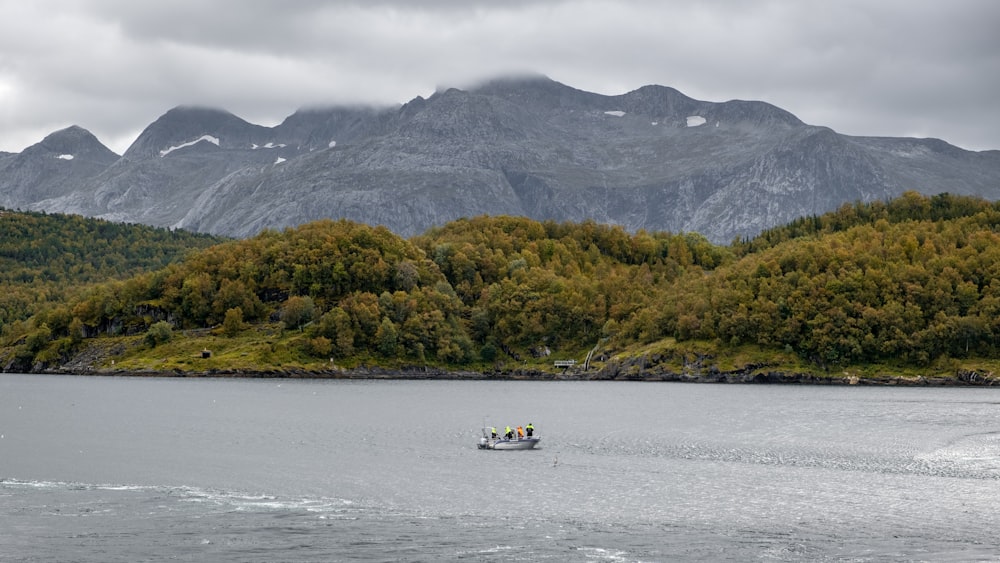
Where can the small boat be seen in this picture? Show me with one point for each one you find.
(488, 442)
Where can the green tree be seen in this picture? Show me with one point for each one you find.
(197, 293)
(488, 352)
(297, 311)
(319, 346)
(233, 323)
(387, 338)
(75, 330)
(159, 333)
(336, 326)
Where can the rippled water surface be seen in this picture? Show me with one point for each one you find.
(129, 469)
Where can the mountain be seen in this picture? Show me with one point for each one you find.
(61, 162)
(650, 159)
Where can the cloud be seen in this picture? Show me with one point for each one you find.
(892, 67)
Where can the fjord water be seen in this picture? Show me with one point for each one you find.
(132, 469)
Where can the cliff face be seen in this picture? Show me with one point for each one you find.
(651, 159)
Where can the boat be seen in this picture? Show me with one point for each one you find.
(488, 442)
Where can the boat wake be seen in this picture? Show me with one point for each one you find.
(976, 454)
(223, 499)
(971, 457)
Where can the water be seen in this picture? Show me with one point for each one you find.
(131, 469)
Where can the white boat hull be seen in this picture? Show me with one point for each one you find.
(505, 444)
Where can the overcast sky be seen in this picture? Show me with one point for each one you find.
(922, 68)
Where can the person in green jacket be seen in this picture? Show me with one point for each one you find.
(508, 433)
(529, 429)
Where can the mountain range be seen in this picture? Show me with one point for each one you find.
(650, 159)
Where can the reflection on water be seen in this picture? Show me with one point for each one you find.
(119, 469)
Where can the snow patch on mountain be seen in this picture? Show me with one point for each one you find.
(911, 152)
(616, 113)
(695, 120)
(65, 157)
(209, 138)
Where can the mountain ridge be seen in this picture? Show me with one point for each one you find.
(652, 159)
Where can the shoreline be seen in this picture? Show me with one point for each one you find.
(750, 375)
(98, 359)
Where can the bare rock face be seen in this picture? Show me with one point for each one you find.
(650, 159)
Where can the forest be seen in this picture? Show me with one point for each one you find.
(908, 282)
(45, 258)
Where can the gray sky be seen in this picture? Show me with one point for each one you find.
(923, 68)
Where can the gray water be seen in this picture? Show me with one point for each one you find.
(131, 469)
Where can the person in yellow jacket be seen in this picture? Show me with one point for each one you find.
(508, 433)
(530, 429)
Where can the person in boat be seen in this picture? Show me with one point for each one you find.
(529, 429)
(493, 432)
(520, 432)
(508, 433)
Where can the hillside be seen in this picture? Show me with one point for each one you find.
(44, 258)
(905, 284)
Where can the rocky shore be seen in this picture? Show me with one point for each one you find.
(746, 375)
(92, 360)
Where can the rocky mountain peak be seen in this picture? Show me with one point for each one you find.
(53, 167)
(657, 101)
(326, 127)
(537, 91)
(186, 126)
(72, 143)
